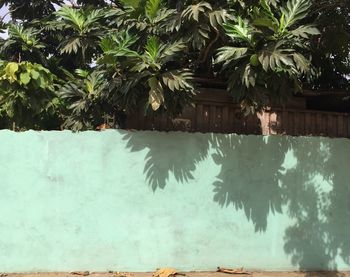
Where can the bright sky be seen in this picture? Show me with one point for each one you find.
(3, 12)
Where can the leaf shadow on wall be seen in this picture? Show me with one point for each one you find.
(178, 156)
(304, 178)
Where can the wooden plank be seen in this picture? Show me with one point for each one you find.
(169, 124)
(219, 119)
(289, 123)
(232, 117)
(330, 129)
(212, 118)
(142, 120)
(279, 123)
(340, 125)
(206, 118)
(264, 119)
(284, 122)
(308, 124)
(313, 123)
(199, 118)
(214, 96)
(193, 119)
(251, 124)
(225, 120)
(150, 122)
(272, 123)
(319, 125)
(301, 124)
(157, 123)
(294, 118)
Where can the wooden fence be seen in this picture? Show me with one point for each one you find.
(215, 112)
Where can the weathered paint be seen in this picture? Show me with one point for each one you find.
(141, 200)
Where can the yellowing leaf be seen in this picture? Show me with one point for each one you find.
(10, 70)
(156, 97)
(89, 87)
(164, 272)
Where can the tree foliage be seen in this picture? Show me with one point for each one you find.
(78, 64)
(267, 53)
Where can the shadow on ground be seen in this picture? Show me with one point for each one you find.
(306, 178)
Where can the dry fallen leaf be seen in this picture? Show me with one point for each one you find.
(165, 272)
(81, 273)
(122, 274)
(232, 271)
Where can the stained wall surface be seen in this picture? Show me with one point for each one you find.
(137, 201)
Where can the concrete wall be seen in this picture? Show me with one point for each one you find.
(141, 200)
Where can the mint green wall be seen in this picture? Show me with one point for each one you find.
(141, 200)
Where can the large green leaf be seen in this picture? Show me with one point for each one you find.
(170, 50)
(25, 78)
(277, 58)
(301, 62)
(132, 3)
(193, 11)
(178, 80)
(228, 53)
(72, 16)
(294, 11)
(119, 45)
(305, 31)
(152, 8)
(152, 48)
(72, 45)
(218, 17)
(239, 31)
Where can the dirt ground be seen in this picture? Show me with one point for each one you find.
(190, 274)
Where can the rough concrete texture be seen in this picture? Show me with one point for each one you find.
(198, 274)
(136, 201)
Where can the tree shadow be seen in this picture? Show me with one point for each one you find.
(178, 155)
(301, 177)
(305, 179)
(249, 176)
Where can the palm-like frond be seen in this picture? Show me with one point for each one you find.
(73, 18)
(294, 11)
(27, 38)
(193, 11)
(152, 48)
(83, 95)
(78, 19)
(305, 31)
(218, 17)
(85, 26)
(170, 50)
(240, 31)
(152, 8)
(276, 58)
(267, 53)
(119, 45)
(177, 80)
(229, 53)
